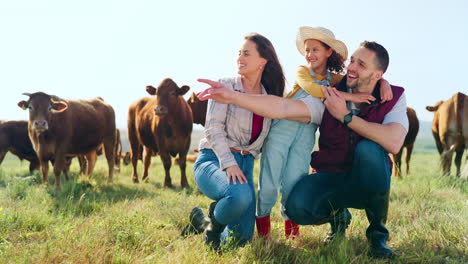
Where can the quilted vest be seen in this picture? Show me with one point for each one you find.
(337, 142)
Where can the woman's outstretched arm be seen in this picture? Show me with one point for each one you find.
(269, 106)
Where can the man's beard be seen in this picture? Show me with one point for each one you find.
(358, 84)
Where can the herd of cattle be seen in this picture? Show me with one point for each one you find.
(58, 130)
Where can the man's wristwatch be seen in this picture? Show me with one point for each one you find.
(348, 118)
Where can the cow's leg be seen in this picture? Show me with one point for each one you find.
(91, 158)
(45, 170)
(439, 146)
(134, 143)
(458, 158)
(83, 164)
(446, 160)
(2, 156)
(59, 165)
(409, 151)
(146, 163)
(135, 146)
(450, 146)
(33, 165)
(166, 160)
(109, 150)
(117, 158)
(117, 151)
(66, 167)
(182, 165)
(397, 159)
(134, 156)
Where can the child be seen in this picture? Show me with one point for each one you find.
(287, 148)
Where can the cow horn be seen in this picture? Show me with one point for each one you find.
(27, 94)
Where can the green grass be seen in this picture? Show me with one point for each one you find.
(90, 221)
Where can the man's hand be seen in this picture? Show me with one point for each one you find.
(335, 103)
(233, 173)
(217, 91)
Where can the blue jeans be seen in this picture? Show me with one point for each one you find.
(285, 160)
(236, 202)
(315, 196)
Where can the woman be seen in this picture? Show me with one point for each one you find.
(233, 138)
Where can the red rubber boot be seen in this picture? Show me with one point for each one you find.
(291, 229)
(263, 226)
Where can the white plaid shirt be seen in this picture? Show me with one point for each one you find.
(229, 126)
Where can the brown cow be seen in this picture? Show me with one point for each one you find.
(450, 130)
(89, 160)
(198, 109)
(59, 128)
(162, 124)
(14, 138)
(410, 138)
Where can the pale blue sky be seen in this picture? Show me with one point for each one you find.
(114, 48)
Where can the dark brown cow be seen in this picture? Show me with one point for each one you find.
(14, 138)
(198, 109)
(59, 128)
(410, 138)
(162, 124)
(450, 130)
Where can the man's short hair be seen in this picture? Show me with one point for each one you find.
(382, 59)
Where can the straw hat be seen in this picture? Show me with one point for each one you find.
(322, 34)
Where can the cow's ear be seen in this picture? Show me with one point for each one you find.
(58, 107)
(151, 90)
(431, 108)
(23, 105)
(435, 107)
(183, 90)
(192, 98)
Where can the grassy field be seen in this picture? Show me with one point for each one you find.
(89, 221)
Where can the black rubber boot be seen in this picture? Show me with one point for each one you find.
(198, 222)
(213, 231)
(338, 223)
(377, 234)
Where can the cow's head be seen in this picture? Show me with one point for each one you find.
(168, 96)
(127, 158)
(41, 106)
(434, 108)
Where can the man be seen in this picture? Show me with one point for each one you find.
(353, 168)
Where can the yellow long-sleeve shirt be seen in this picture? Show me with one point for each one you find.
(305, 81)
